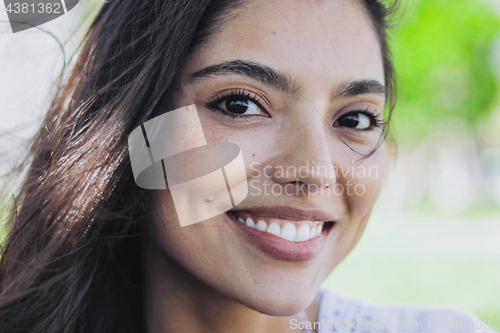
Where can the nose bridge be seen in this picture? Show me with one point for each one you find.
(305, 152)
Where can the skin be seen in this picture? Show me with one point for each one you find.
(206, 277)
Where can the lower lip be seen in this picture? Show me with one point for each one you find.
(281, 248)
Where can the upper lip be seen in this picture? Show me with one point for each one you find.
(289, 213)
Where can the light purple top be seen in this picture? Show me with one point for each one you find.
(343, 313)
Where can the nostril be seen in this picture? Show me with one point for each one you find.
(299, 185)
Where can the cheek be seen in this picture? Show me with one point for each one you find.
(195, 247)
(364, 194)
(165, 228)
(362, 189)
(180, 243)
(366, 179)
(257, 145)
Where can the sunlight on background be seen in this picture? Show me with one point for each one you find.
(30, 64)
(434, 237)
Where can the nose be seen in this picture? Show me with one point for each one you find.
(304, 159)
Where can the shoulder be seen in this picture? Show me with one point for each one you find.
(340, 312)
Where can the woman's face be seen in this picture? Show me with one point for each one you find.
(299, 86)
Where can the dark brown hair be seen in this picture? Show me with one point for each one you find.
(72, 258)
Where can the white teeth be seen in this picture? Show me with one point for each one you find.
(318, 230)
(303, 233)
(250, 223)
(261, 225)
(289, 232)
(274, 228)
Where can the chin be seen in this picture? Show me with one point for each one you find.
(276, 301)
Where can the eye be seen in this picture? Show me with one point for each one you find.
(238, 103)
(362, 120)
(239, 106)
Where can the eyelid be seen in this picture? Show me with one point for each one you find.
(239, 91)
(365, 108)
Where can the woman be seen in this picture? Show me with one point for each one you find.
(300, 86)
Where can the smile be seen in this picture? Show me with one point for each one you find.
(296, 231)
(283, 232)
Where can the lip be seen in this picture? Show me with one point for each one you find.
(288, 213)
(278, 247)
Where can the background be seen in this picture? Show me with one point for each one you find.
(434, 237)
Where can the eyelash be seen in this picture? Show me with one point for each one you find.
(374, 118)
(235, 93)
(254, 98)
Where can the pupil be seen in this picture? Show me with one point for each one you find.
(351, 120)
(234, 105)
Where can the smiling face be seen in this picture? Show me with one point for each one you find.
(299, 86)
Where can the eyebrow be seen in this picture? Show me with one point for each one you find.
(359, 87)
(252, 70)
(281, 81)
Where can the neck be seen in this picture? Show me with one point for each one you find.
(176, 301)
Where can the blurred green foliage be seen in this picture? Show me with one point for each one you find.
(443, 51)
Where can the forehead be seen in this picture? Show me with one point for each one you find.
(308, 39)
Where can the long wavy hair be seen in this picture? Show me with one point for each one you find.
(72, 259)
